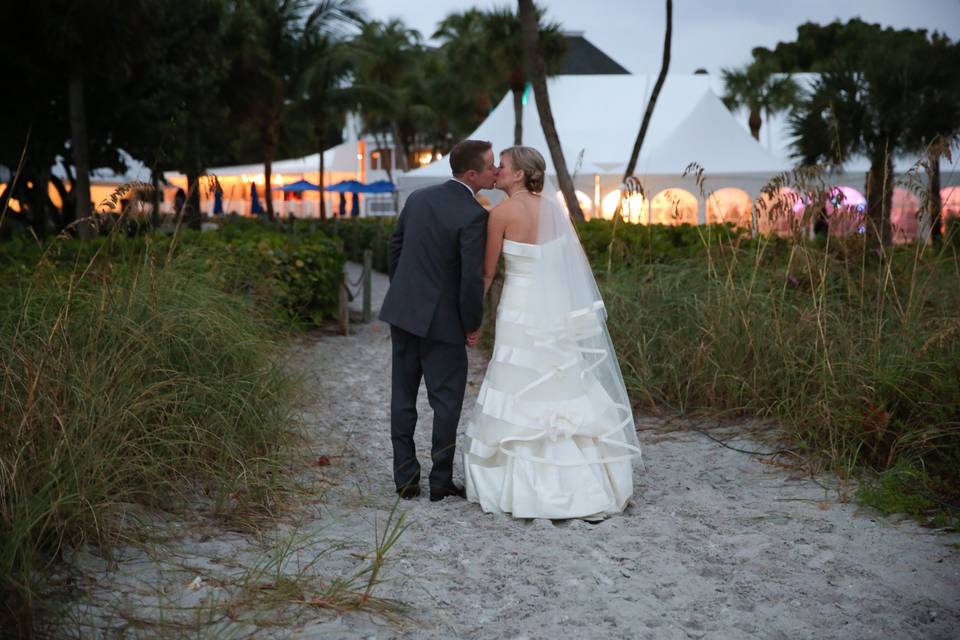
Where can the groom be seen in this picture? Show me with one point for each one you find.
(434, 307)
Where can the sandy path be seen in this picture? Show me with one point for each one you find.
(716, 544)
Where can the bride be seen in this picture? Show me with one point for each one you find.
(552, 433)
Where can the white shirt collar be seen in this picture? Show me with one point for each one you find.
(472, 193)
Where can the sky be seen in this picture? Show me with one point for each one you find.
(712, 34)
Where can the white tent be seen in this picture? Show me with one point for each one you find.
(598, 118)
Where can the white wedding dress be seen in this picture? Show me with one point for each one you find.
(552, 434)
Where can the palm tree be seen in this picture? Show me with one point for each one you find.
(937, 119)
(328, 61)
(273, 39)
(849, 112)
(536, 70)
(388, 68)
(486, 48)
(504, 37)
(465, 44)
(758, 89)
(648, 113)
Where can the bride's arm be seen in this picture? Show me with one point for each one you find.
(496, 223)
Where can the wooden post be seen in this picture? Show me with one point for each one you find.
(367, 283)
(343, 310)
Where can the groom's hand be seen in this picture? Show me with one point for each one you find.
(473, 338)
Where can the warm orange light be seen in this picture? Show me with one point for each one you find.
(674, 206)
(634, 208)
(586, 205)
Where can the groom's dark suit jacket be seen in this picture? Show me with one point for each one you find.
(436, 264)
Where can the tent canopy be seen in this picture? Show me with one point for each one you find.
(599, 116)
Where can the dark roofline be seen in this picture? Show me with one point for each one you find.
(584, 58)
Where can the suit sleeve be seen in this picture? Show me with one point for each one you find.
(396, 243)
(473, 240)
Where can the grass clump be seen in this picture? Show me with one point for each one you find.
(125, 382)
(856, 357)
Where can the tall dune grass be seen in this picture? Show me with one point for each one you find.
(125, 383)
(858, 359)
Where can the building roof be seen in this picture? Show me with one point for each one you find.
(583, 58)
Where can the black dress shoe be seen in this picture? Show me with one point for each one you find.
(408, 492)
(439, 493)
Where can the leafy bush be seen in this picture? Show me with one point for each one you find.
(291, 277)
(623, 245)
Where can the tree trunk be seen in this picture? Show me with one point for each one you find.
(879, 189)
(65, 199)
(269, 149)
(399, 144)
(323, 202)
(934, 201)
(517, 115)
(155, 210)
(191, 211)
(755, 122)
(78, 149)
(648, 114)
(39, 202)
(536, 71)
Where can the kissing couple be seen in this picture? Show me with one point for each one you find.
(552, 433)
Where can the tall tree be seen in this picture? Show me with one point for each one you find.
(389, 69)
(486, 48)
(761, 91)
(850, 112)
(173, 113)
(328, 61)
(930, 133)
(536, 70)
(466, 45)
(270, 37)
(868, 99)
(51, 72)
(648, 113)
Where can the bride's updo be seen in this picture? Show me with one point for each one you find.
(534, 167)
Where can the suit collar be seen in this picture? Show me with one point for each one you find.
(465, 186)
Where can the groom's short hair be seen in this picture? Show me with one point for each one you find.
(467, 155)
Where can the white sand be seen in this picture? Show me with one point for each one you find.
(716, 544)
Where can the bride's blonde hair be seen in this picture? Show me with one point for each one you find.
(528, 160)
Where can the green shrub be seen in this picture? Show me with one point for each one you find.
(290, 277)
(358, 234)
(624, 245)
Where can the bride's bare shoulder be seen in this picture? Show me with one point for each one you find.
(505, 208)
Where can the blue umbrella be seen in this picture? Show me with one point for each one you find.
(343, 204)
(299, 185)
(255, 206)
(380, 186)
(346, 186)
(218, 201)
(355, 205)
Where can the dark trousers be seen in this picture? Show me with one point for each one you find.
(444, 367)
